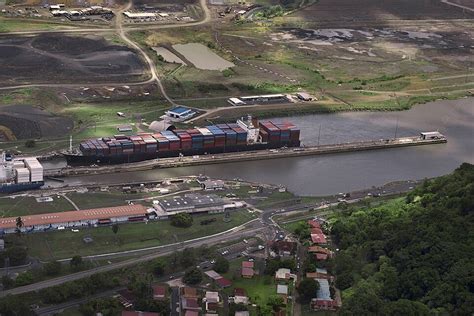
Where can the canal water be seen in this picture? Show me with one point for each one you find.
(329, 174)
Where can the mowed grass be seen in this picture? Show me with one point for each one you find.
(101, 119)
(7, 25)
(65, 244)
(258, 289)
(23, 205)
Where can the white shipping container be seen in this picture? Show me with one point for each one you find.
(18, 164)
(204, 131)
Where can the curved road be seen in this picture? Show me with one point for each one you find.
(122, 32)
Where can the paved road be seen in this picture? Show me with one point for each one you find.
(54, 309)
(235, 233)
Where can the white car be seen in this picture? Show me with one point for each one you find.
(74, 230)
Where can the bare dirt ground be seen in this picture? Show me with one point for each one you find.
(342, 13)
(30, 122)
(71, 59)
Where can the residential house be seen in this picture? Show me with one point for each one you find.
(283, 274)
(319, 239)
(328, 305)
(282, 290)
(212, 301)
(242, 313)
(159, 292)
(314, 224)
(189, 292)
(223, 282)
(284, 248)
(240, 296)
(323, 292)
(318, 249)
(247, 269)
(321, 257)
(219, 279)
(191, 313)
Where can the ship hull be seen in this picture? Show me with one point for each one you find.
(74, 159)
(18, 187)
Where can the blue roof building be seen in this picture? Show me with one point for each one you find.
(180, 113)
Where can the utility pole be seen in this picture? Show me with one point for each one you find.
(70, 143)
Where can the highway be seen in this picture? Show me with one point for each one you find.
(248, 229)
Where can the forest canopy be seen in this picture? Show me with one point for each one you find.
(411, 255)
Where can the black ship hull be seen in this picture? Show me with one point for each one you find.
(78, 159)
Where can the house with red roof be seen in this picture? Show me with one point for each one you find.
(247, 269)
(319, 239)
(159, 292)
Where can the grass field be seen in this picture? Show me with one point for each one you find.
(22, 205)
(9, 25)
(64, 244)
(258, 289)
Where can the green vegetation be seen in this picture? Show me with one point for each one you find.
(13, 25)
(221, 265)
(183, 220)
(23, 205)
(193, 276)
(306, 288)
(411, 256)
(63, 244)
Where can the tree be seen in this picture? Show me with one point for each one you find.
(193, 276)
(182, 220)
(187, 257)
(406, 308)
(221, 265)
(19, 225)
(7, 282)
(24, 278)
(275, 302)
(237, 308)
(104, 306)
(76, 262)
(307, 289)
(17, 255)
(158, 268)
(115, 228)
(52, 268)
(30, 143)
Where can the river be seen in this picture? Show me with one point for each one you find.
(329, 174)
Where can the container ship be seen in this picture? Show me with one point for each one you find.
(244, 135)
(20, 174)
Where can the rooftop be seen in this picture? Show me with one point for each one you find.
(323, 292)
(247, 272)
(213, 274)
(75, 216)
(318, 238)
(223, 282)
(282, 289)
(283, 273)
(179, 110)
(247, 264)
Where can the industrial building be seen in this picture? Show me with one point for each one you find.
(258, 99)
(82, 218)
(193, 203)
(180, 113)
(140, 15)
(211, 185)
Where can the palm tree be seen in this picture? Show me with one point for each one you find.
(19, 224)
